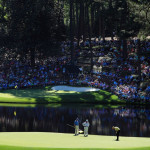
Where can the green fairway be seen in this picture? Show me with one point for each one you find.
(44, 141)
(52, 96)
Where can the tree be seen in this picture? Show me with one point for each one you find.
(141, 10)
(3, 22)
(36, 26)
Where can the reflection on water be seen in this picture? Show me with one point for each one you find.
(133, 122)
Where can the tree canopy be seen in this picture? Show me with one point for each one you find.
(42, 24)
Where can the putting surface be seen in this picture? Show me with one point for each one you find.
(60, 140)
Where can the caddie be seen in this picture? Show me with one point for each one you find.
(86, 125)
(76, 126)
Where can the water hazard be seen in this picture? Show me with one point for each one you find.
(132, 121)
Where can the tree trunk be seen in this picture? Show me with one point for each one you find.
(100, 24)
(71, 33)
(80, 27)
(103, 28)
(103, 24)
(83, 26)
(111, 16)
(92, 18)
(86, 15)
(89, 29)
(77, 20)
(73, 19)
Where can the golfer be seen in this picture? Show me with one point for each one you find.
(86, 125)
(76, 126)
(117, 129)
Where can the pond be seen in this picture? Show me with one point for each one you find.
(132, 121)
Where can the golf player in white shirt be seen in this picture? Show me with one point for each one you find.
(86, 125)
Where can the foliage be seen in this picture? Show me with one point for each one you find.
(31, 25)
(141, 10)
(39, 25)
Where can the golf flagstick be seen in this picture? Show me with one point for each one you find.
(80, 131)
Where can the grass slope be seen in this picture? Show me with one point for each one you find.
(45, 141)
(52, 96)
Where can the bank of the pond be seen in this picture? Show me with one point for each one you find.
(44, 96)
(47, 140)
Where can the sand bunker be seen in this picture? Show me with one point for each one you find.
(77, 89)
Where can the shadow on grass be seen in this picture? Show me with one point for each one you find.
(45, 96)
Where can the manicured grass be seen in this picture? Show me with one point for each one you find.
(45, 141)
(35, 148)
(44, 95)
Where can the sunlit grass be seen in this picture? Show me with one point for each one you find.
(61, 91)
(46, 95)
(7, 95)
(47, 140)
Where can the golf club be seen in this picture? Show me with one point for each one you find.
(80, 131)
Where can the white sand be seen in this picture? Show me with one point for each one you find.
(76, 89)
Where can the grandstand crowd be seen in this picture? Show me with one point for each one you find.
(116, 75)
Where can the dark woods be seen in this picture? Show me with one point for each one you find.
(40, 26)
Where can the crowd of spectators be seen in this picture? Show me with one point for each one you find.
(20, 74)
(117, 75)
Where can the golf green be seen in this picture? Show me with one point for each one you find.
(48, 140)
